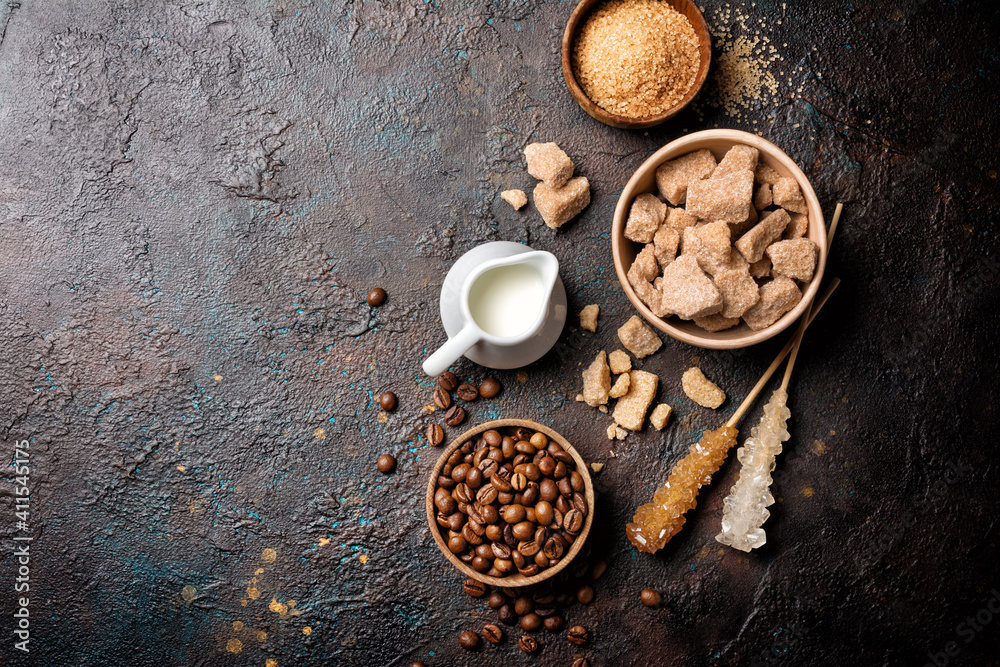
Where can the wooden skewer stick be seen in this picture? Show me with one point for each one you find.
(802, 327)
(748, 401)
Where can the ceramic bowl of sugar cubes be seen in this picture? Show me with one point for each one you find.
(719, 240)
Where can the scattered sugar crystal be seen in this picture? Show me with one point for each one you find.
(738, 289)
(588, 317)
(753, 244)
(579, 398)
(644, 218)
(687, 291)
(798, 227)
(652, 297)
(630, 410)
(761, 268)
(701, 390)
(665, 243)
(644, 267)
(603, 409)
(659, 416)
(762, 199)
(674, 176)
(548, 163)
(787, 195)
(597, 381)
(611, 431)
(515, 198)
(739, 158)
(765, 174)
(795, 259)
(620, 434)
(728, 198)
(597, 467)
(620, 388)
(716, 322)
(619, 362)
(776, 298)
(678, 218)
(638, 338)
(561, 205)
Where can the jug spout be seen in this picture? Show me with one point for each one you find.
(543, 262)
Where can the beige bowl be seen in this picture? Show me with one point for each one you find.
(643, 180)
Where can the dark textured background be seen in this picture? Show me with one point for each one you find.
(195, 197)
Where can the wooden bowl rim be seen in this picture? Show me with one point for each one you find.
(516, 580)
(692, 142)
(697, 21)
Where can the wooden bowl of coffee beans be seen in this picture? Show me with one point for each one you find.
(510, 503)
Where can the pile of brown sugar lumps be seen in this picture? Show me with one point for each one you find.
(736, 250)
(636, 58)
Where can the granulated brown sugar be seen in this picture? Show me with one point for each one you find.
(636, 58)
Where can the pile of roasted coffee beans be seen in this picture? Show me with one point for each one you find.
(510, 502)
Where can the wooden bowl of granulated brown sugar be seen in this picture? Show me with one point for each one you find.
(636, 114)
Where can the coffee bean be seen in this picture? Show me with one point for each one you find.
(563, 505)
(462, 492)
(579, 503)
(544, 597)
(553, 547)
(530, 494)
(467, 392)
(543, 512)
(459, 471)
(518, 481)
(501, 550)
(504, 565)
(468, 640)
(476, 589)
(507, 447)
(489, 388)
(490, 514)
(562, 456)
(541, 560)
(442, 399)
(500, 481)
(386, 463)
(447, 381)
(471, 536)
(446, 482)
(529, 570)
(376, 297)
(539, 440)
(565, 488)
(474, 478)
(484, 551)
(489, 468)
(578, 635)
(493, 633)
(454, 416)
(523, 530)
(417, 664)
(480, 564)
(506, 614)
(547, 465)
(456, 521)
(435, 435)
(497, 600)
(585, 594)
(548, 489)
(576, 481)
(528, 644)
(573, 521)
(554, 623)
(580, 661)
(476, 514)
(494, 533)
(649, 597)
(530, 621)
(598, 568)
(512, 513)
(528, 548)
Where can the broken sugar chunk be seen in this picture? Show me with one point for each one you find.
(678, 219)
(776, 298)
(588, 317)
(701, 390)
(712, 246)
(638, 338)
(548, 163)
(765, 174)
(597, 381)
(515, 198)
(738, 229)
(687, 291)
(752, 244)
(761, 268)
(620, 434)
(597, 467)
(739, 158)
(611, 431)
(652, 297)
(630, 410)
(716, 322)
(659, 416)
(560, 205)
(619, 362)
(787, 195)
(644, 218)
(795, 259)
(728, 198)
(603, 409)
(665, 243)
(620, 388)
(762, 199)
(798, 227)
(673, 177)
(644, 267)
(739, 291)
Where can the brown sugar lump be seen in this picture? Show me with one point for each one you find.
(652, 297)
(738, 229)
(644, 218)
(659, 416)
(753, 244)
(798, 227)
(630, 411)
(787, 195)
(678, 219)
(701, 390)
(716, 322)
(776, 298)
(727, 198)
(588, 317)
(665, 243)
(674, 176)
(738, 289)
(619, 362)
(765, 174)
(762, 199)
(597, 381)
(560, 205)
(739, 158)
(638, 338)
(712, 247)
(795, 258)
(644, 267)
(515, 198)
(548, 163)
(687, 291)
(620, 387)
(761, 268)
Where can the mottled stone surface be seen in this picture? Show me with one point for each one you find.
(195, 198)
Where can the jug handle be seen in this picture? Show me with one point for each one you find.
(455, 347)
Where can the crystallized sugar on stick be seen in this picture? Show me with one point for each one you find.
(644, 218)
(745, 508)
(515, 198)
(674, 176)
(548, 162)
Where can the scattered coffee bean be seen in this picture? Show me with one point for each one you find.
(578, 635)
(476, 589)
(447, 381)
(649, 597)
(376, 297)
(467, 392)
(435, 435)
(489, 388)
(523, 605)
(580, 662)
(585, 594)
(442, 399)
(506, 614)
(493, 633)
(530, 622)
(528, 644)
(554, 623)
(468, 640)
(454, 416)
(598, 568)
(497, 600)
(417, 664)
(387, 400)
(386, 463)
